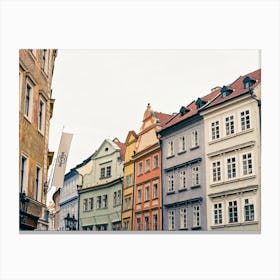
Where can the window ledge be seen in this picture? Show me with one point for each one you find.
(172, 192)
(181, 152)
(155, 168)
(182, 229)
(229, 181)
(235, 224)
(148, 171)
(41, 133)
(194, 148)
(27, 118)
(196, 228)
(168, 157)
(182, 190)
(106, 177)
(146, 200)
(195, 186)
(155, 198)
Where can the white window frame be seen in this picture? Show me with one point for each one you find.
(194, 138)
(155, 193)
(183, 179)
(24, 174)
(147, 193)
(85, 204)
(216, 170)
(247, 165)
(217, 124)
(146, 225)
(250, 119)
(182, 144)
(38, 183)
(28, 114)
(43, 117)
(183, 218)
(229, 167)
(233, 207)
(45, 63)
(99, 202)
(170, 148)
(147, 165)
(139, 197)
(230, 125)
(90, 203)
(170, 179)
(251, 201)
(196, 216)
(196, 175)
(104, 201)
(218, 213)
(171, 219)
(157, 165)
(140, 168)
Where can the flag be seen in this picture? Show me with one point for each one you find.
(61, 160)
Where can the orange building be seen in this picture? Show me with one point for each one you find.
(147, 190)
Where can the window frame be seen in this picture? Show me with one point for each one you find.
(43, 118)
(245, 121)
(171, 219)
(196, 216)
(170, 182)
(232, 211)
(147, 166)
(216, 129)
(28, 114)
(24, 174)
(38, 183)
(218, 218)
(194, 139)
(247, 164)
(147, 193)
(216, 170)
(229, 167)
(230, 125)
(195, 175)
(183, 218)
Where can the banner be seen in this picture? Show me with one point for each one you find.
(61, 160)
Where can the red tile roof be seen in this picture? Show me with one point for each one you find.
(122, 147)
(215, 98)
(162, 117)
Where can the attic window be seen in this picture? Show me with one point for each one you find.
(199, 103)
(225, 91)
(248, 82)
(106, 149)
(183, 111)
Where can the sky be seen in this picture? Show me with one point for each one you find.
(103, 93)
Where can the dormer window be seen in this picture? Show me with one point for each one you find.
(199, 103)
(225, 91)
(248, 82)
(183, 111)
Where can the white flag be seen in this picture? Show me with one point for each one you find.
(61, 160)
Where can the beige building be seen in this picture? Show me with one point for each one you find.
(232, 132)
(35, 111)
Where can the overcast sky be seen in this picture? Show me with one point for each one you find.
(104, 93)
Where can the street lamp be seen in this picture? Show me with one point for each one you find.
(70, 222)
(23, 206)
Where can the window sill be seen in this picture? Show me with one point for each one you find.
(172, 192)
(41, 133)
(155, 168)
(194, 148)
(229, 181)
(106, 177)
(235, 224)
(196, 228)
(182, 190)
(155, 198)
(181, 152)
(148, 171)
(27, 118)
(182, 229)
(168, 157)
(146, 200)
(195, 187)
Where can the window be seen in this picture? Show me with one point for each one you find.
(85, 204)
(91, 203)
(155, 161)
(146, 224)
(247, 164)
(129, 180)
(218, 216)
(170, 183)
(155, 222)
(126, 225)
(249, 210)
(98, 202)
(171, 220)
(232, 212)
(101, 227)
(245, 120)
(23, 174)
(155, 190)
(28, 93)
(41, 116)
(183, 178)
(117, 198)
(104, 200)
(196, 216)
(140, 168)
(215, 129)
(147, 165)
(194, 139)
(147, 193)
(116, 226)
(231, 167)
(139, 196)
(229, 125)
(127, 203)
(138, 224)
(183, 218)
(216, 171)
(108, 171)
(182, 144)
(170, 149)
(102, 172)
(44, 60)
(37, 183)
(195, 176)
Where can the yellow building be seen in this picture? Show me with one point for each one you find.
(130, 143)
(35, 111)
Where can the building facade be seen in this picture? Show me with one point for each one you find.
(147, 190)
(233, 146)
(101, 193)
(128, 187)
(35, 111)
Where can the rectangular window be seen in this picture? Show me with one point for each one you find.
(247, 164)
(98, 202)
(170, 148)
(102, 172)
(139, 196)
(138, 224)
(91, 203)
(108, 171)
(41, 116)
(170, 183)
(171, 220)
(126, 225)
(37, 183)
(28, 93)
(183, 179)
(115, 199)
(119, 197)
(85, 205)
(218, 216)
(216, 171)
(129, 180)
(147, 165)
(155, 222)
(23, 174)
(147, 193)
(127, 203)
(215, 130)
(182, 144)
(116, 226)
(249, 210)
(196, 216)
(140, 168)
(245, 120)
(101, 227)
(183, 218)
(194, 140)
(155, 161)
(155, 190)
(146, 224)
(232, 212)
(195, 176)
(104, 201)
(44, 60)
(231, 167)
(229, 125)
